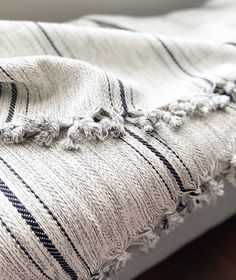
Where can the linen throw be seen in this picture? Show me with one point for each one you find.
(112, 129)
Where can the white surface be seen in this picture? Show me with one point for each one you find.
(59, 10)
(195, 225)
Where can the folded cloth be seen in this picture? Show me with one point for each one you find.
(159, 91)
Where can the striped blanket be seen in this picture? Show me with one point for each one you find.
(112, 129)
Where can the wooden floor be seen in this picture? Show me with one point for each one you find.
(211, 257)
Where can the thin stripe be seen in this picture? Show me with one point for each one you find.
(85, 264)
(109, 89)
(0, 89)
(179, 65)
(49, 39)
(27, 100)
(12, 103)
(132, 97)
(64, 43)
(163, 160)
(177, 156)
(171, 150)
(7, 74)
(230, 43)
(164, 182)
(231, 107)
(37, 230)
(111, 25)
(123, 99)
(23, 249)
(153, 47)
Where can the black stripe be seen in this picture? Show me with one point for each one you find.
(22, 248)
(49, 39)
(164, 182)
(122, 97)
(12, 103)
(0, 89)
(37, 230)
(52, 216)
(179, 65)
(163, 160)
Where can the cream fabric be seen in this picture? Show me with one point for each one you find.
(159, 92)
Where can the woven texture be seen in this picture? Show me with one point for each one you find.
(112, 130)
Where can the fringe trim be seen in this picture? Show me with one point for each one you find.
(100, 124)
(174, 114)
(210, 189)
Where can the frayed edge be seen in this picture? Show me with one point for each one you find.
(88, 128)
(174, 114)
(146, 241)
(231, 173)
(226, 89)
(210, 190)
(99, 125)
(43, 130)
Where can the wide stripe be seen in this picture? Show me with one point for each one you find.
(37, 230)
(163, 160)
(48, 38)
(152, 166)
(85, 264)
(12, 102)
(23, 249)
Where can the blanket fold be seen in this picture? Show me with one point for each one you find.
(112, 129)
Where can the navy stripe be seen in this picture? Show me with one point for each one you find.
(231, 107)
(152, 166)
(12, 103)
(111, 25)
(22, 248)
(7, 74)
(177, 156)
(52, 216)
(163, 160)
(49, 39)
(179, 65)
(132, 97)
(109, 89)
(122, 97)
(27, 100)
(171, 150)
(37, 230)
(230, 43)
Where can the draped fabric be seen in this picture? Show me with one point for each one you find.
(112, 129)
